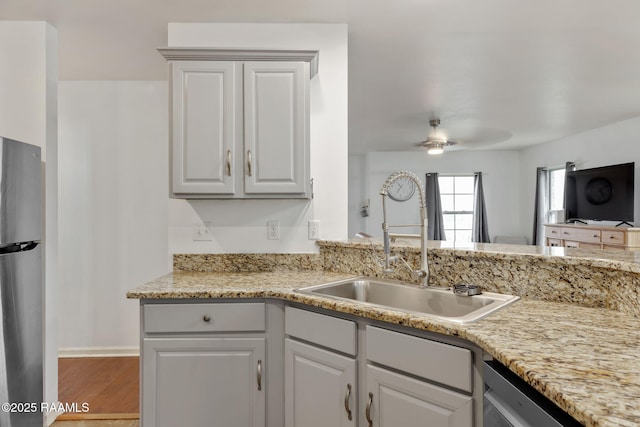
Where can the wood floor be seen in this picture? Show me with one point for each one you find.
(109, 385)
(99, 423)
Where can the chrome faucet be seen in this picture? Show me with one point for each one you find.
(421, 273)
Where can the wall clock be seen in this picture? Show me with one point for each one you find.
(598, 191)
(402, 189)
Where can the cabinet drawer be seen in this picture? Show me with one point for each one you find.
(613, 237)
(553, 232)
(581, 234)
(215, 317)
(327, 331)
(573, 234)
(442, 363)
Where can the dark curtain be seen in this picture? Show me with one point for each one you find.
(540, 207)
(568, 167)
(480, 228)
(435, 224)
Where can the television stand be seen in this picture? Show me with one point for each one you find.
(592, 236)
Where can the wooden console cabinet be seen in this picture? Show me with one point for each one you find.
(592, 236)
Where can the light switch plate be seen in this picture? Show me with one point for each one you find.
(314, 229)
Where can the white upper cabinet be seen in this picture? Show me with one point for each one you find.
(276, 123)
(204, 131)
(240, 123)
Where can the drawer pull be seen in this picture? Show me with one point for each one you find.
(554, 232)
(367, 413)
(565, 232)
(612, 237)
(346, 402)
(259, 375)
(206, 318)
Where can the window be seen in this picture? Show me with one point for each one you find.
(456, 195)
(555, 194)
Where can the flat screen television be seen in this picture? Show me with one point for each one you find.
(603, 194)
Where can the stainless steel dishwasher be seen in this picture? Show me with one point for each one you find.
(511, 402)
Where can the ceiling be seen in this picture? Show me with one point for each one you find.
(498, 73)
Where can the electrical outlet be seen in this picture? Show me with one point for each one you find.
(273, 230)
(314, 229)
(202, 232)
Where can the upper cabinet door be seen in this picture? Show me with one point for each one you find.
(204, 106)
(276, 127)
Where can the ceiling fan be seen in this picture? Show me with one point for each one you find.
(435, 142)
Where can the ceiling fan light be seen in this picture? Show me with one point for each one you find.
(435, 149)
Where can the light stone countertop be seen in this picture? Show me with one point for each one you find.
(620, 260)
(586, 360)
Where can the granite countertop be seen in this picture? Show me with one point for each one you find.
(618, 259)
(584, 359)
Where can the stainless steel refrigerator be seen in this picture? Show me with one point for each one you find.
(21, 285)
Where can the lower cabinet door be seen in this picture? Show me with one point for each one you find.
(395, 400)
(320, 387)
(203, 382)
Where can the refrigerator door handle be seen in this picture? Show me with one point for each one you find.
(18, 247)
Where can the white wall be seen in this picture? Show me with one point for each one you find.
(28, 113)
(608, 145)
(116, 228)
(358, 194)
(500, 182)
(240, 225)
(113, 206)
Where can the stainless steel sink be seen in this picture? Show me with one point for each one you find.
(435, 302)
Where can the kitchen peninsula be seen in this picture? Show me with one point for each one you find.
(573, 335)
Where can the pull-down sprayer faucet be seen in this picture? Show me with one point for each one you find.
(423, 272)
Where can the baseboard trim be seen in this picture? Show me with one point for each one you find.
(98, 352)
(78, 417)
(52, 416)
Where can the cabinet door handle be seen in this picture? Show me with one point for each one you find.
(367, 413)
(249, 162)
(228, 162)
(346, 402)
(259, 375)
(206, 318)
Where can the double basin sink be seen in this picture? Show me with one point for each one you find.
(439, 303)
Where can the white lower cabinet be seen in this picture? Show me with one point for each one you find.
(320, 373)
(204, 365)
(200, 382)
(405, 381)
(411, 381)
(320, 387)
(395, 400)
